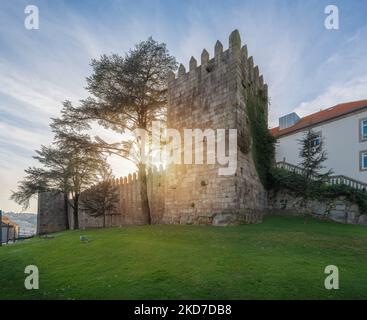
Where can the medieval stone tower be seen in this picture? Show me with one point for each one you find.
(213, 96)
(210, 96)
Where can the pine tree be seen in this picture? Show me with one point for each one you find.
(312, 157)
(128, 93)
(69, 166)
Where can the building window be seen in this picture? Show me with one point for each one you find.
(316, 142)
(363, 130)
(363, 161)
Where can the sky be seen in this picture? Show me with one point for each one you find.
(306, 66)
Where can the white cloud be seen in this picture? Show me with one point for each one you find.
(51, 69)
(305, 67)
(30, 88)
(352, 90)
(22, 138)
(344, 73)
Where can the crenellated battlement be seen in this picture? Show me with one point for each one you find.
(210, 95)
(209, 64)
(213, 95)
(132, 178)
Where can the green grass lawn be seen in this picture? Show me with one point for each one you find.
(279, 259)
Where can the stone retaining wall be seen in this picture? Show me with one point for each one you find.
(338, 209)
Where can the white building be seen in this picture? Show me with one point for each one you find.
(343, 129)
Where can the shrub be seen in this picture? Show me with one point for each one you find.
(263, 143)
(294, 183)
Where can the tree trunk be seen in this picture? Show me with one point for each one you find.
(307, 200)
(306, 214)
(66, 211)
(104, 220)
(76, 211)
(144, 194)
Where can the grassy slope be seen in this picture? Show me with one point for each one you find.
(279, 259)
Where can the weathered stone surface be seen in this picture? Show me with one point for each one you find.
(338, 216)
(363, 219)
(204, 57)
(193, 64)
(171, 76)
(338, 209)
(320, 208)
(223, 219)
(211, 96)
(352, 217)
(235, 42)
(51, 213)
(181, 70)
(340, 206)
(244, 53)
(218, 50)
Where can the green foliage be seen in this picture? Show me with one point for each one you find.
(70, 165)
(36, 180)
(355, 196)
(282, 179)
(312, 157)
(263, 143)
(102, 198)
(311, 184)
(295, 184)
(126, 93)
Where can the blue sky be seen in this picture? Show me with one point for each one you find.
(307, 67)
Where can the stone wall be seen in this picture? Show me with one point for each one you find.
(338, 209)
(211, 96)
(129, 208)
(51, 215)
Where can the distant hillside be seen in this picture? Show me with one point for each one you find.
(26, 221)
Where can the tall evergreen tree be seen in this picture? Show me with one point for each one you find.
(128, 93)
(69, 166)
(312, 158)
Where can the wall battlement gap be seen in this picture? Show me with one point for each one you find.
(208, 64)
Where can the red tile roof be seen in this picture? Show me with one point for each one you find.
(322, 116)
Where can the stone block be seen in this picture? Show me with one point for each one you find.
(337, 216)
(362, 219)
(352, 217)
(223, 219)
(340, 206)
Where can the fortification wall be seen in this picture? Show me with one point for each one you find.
(129, 207)
(209, 96)
(212, 96)
(51, 215)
